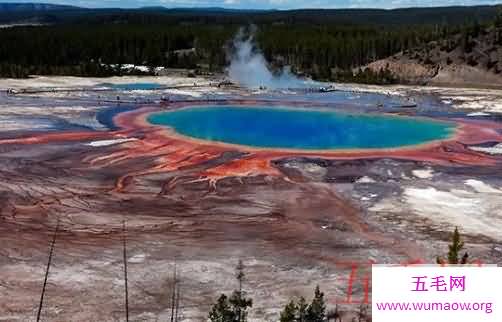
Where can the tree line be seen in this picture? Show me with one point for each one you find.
(235, 307)
(313, 43)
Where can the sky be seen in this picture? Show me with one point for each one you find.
(265, 4)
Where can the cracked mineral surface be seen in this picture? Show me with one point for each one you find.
(83, 172)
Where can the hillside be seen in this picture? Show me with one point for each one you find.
(33, 13)
(471, 58)
(323, 44)
(453, 15)
(32, 7)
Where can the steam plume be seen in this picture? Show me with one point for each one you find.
(249, 68)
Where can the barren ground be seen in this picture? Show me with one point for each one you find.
(305, 221)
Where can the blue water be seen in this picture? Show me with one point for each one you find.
(106, 115)
(134, 86)
(274, 127)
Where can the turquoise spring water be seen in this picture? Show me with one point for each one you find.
(133, 86)
(306, 129)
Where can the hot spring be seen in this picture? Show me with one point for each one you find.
(303, 129)
(133, 86)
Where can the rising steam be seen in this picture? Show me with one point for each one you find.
(249, 68)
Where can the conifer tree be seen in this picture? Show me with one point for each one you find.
(316, 311)
(233, 309)
(302, 310)
(240, 304)
(221, 311)
(289, 313)
(456, 246)
(454, 250)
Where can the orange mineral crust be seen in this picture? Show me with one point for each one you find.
(171, 151)
(179, 151)
(96, 216)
